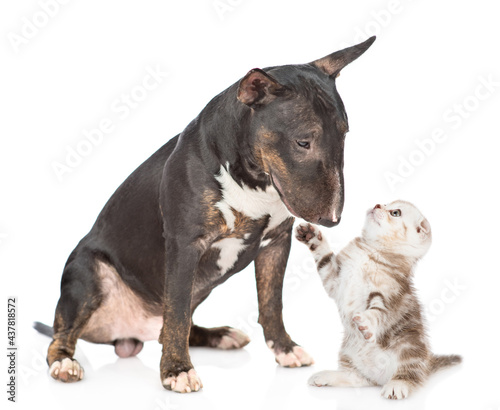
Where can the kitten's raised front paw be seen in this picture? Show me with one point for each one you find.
(365, 325)
(309, 235)
(396, 390)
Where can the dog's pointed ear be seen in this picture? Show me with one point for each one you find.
(333, 63)
(258, 88)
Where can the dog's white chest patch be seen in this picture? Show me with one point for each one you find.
(253, 203)
(230, 249)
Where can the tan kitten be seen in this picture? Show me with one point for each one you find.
(385, 342)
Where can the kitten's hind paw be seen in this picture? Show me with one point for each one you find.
(323, 378)
(396, 390)
(338, 378)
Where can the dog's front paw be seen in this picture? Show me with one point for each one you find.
(366, 326)
(66, 370)
(396, 390)
(308, 235)
(297, 357)
(184, 382)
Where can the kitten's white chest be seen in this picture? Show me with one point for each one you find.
(376, 364)
(359, 276)
(352, 291)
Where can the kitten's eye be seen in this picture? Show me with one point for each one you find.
(304, 144)
(395, 213)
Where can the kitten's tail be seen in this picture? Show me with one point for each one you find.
(442, 361)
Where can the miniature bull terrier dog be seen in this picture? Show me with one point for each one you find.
(214, 198)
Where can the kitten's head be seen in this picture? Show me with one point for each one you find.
(398, 227)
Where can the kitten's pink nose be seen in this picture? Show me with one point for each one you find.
(378, 206)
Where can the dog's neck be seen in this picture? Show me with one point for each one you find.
(223, 127)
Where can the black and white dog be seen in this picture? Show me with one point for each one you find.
(216, 197)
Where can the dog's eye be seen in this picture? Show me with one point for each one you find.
(304, 144)
(395, 213)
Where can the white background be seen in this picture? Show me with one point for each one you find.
(426, 65)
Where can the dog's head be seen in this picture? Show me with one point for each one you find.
(298, 126)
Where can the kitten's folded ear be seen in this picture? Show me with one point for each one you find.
(424, 227)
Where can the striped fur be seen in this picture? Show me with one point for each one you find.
(385, 341)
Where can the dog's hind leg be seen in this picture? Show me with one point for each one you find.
(80, 297)
(224, 337)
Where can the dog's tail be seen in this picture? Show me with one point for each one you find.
(443, 361)
(43, 329)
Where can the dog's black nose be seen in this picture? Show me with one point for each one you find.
(378, 206)
(328, 222)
